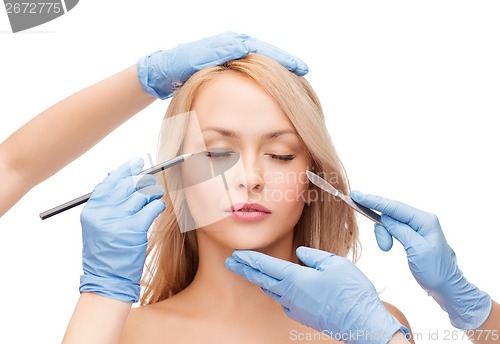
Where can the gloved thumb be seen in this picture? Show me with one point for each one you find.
(401, 231)
(384, 239)
(312, 257)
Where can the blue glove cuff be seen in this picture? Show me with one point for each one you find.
(406, 332)
(121, 290)
(368, 337)
(379, 330)
(474, 308)
(143, 73)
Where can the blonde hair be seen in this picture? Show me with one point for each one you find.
(328, 225)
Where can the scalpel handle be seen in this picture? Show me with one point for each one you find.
(365, 211)
(65, 206)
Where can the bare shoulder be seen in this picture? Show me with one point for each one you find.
(136, 325)
(398, 315)
(146, 324)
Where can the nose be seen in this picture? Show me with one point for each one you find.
(252, 179)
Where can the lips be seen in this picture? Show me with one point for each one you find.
(249, 207)
(249, 212)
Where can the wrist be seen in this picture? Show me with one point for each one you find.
(377, 325)
(467, 306)
(117, 289)
(143, 73)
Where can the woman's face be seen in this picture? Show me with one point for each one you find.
(267, 188)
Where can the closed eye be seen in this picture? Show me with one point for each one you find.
(287, 157)
(219, 153)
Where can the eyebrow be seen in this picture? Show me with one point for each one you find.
(233, 134)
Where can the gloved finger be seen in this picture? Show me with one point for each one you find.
(127, 186)
(276, 297)
(290, 62)
(127, 169)
(217, 49)
(267, 283)
(402, 232)
(280, 300)
(397, 210)
(384, 239)
(274, 267)
(149, 213)
(137, 200)
(312, 257)
(122, 189)
(141, 181)
(288, 312)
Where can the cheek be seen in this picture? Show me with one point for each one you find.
(288, 188)
(210, 201)
(207, 202)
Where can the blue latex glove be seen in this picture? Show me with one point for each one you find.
(330, 294)
(162, 72)
(431, 260)
(115, 222)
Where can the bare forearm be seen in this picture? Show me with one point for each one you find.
(398, 338)
(489, 332)
(96, 319)
(66, 130)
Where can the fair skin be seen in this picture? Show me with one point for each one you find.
(27, 158)
(219, 306)
(488, 332)
(75, 125)
(223, 296)
(98, 319)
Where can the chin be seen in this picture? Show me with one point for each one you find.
(269, 238)
(248, 242)
(269, 244)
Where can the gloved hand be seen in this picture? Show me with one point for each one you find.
(329, 294)
(431, 260)
(161, 72)
(115, 222)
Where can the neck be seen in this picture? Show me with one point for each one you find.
(215, 283)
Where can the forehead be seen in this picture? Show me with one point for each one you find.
(238, 103)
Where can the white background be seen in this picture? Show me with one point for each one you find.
(410, 91)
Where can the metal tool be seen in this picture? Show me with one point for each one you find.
(324, 185)
(199, 167)
(82, 199)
